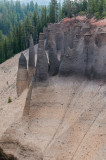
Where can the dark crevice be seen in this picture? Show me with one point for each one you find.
(4, 156)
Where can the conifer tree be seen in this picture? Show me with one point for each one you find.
(53, 11)
(66, 9)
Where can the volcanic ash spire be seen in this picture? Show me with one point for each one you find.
(41, 73)
(31, 62)
(22, 75)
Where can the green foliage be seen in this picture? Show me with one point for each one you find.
(16, 25)
(97, 15)
(9, 100)
(82, 13)
(67, 8)
(96, 8)
(53, 11)
(104, 14)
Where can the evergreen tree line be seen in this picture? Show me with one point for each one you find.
(18, 21)
(70, 8)
(11, 13)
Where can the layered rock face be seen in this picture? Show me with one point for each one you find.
(31, 62)
(22, 75)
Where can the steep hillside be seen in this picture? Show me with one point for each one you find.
(62, 114)
(68, 122)
(9, 112)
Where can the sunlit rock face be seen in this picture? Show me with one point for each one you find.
(22, 75)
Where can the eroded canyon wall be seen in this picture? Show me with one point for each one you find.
(70, 47)
(82, 47)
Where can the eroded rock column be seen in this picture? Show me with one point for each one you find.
(89, 52)
(59, 39)
(49, 27)
(52, 52)
(41, 73)
(22, 75)
(31, 62)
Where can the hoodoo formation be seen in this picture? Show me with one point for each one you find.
(31, 61)
(52, 53)
(59, 39)
(22, 75)
(41, 72)
(64, 115)
(73, 47)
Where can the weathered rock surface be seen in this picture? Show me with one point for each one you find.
(41, 72)
(52, 53)
(22, 75)
(45, 31)
(4, 156)
(73, 61)
(96, 55)
(89, 46)
(15, 150)
(59, 38)
(31, 61)
(64, 119)
(49, 27)
(28, 100)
